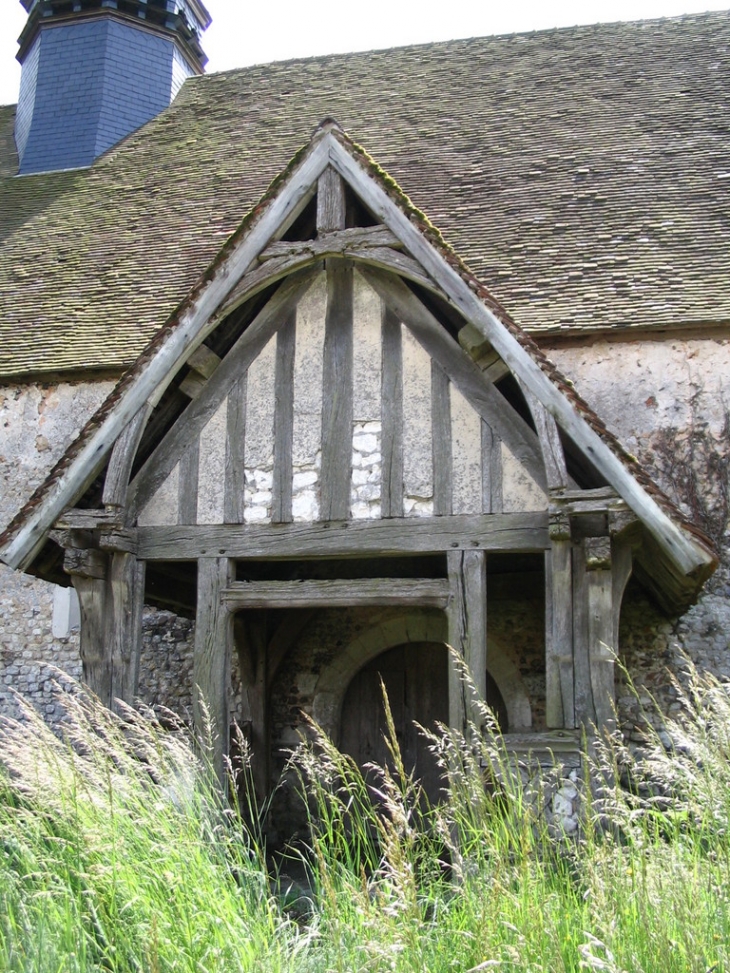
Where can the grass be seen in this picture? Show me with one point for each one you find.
(117, 853)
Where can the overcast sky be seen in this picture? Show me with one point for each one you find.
(246, 33)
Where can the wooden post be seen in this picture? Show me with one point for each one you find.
(337, 404)
(559, 671)
(392, 416)
(441, 426)
(467, 621)
(88, 571)
(123, 623)
(281, 507)
(212, 659)
(110, 588)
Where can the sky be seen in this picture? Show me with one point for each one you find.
(246, 33)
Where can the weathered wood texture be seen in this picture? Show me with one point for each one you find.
(495, 532)
(193, 420)
(600, 649)
(491, 471)
(392, 417)
(235, 479)
(330, 202)
(443, 463)
(356, 593)
(281, 507)
(332, 242)
(110, 601)
(559, 676)
(467, 621)
(337, 398)
(212, 660)
(556, 473)
(468, 378)
(119, 469)
(585, 710)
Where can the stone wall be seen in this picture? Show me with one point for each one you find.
(668, 402)
(665, 400)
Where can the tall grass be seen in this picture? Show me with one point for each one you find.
(118, 854)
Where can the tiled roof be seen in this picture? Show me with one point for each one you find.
(581, 173)
(684, 589)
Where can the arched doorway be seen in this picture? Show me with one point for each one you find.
(416, 679)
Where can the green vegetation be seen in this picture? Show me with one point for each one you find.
(117, 854)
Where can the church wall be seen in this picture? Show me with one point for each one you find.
(669, 403)
(665, 400)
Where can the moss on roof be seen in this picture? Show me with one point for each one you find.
(581, 174)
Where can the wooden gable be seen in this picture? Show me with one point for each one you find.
(339, 387)
(339, 411)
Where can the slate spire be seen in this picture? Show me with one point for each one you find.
(95, 70)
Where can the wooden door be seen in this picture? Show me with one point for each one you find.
(416, 681)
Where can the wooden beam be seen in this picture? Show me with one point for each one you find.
(333, 243)
(461, 370)
(585, 710)
(330, 202)
(467, 621)
(348, 538)
(391, 502)
(281, 504)
(212, 661)
(443, 462)
(336, 469)
(123, 623)
(204, 361)
(187, 484)
(121, 461)
(492, 501)
(193, 420)
(559, 675)
(556, 472)
(600, 648)
(234, 481)
(355, 593)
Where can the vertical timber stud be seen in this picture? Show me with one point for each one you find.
(123, 623)
(392, 416)
(212, 658)
(281, 509)
(252, 647)
(330, 202)
(467, 622)
(110, 588)
(337, 398)
(441, 432)
(88, 570)
(234, 485)
(559, 671)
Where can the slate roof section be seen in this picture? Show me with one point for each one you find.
(581, 173)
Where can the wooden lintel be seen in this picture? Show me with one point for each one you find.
(579, 508)
(118, 539)
(330, 201)
(348, 538)
(332, 243)
(355, 593)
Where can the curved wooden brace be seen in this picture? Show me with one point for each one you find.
(121, 461)
(556, 472)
